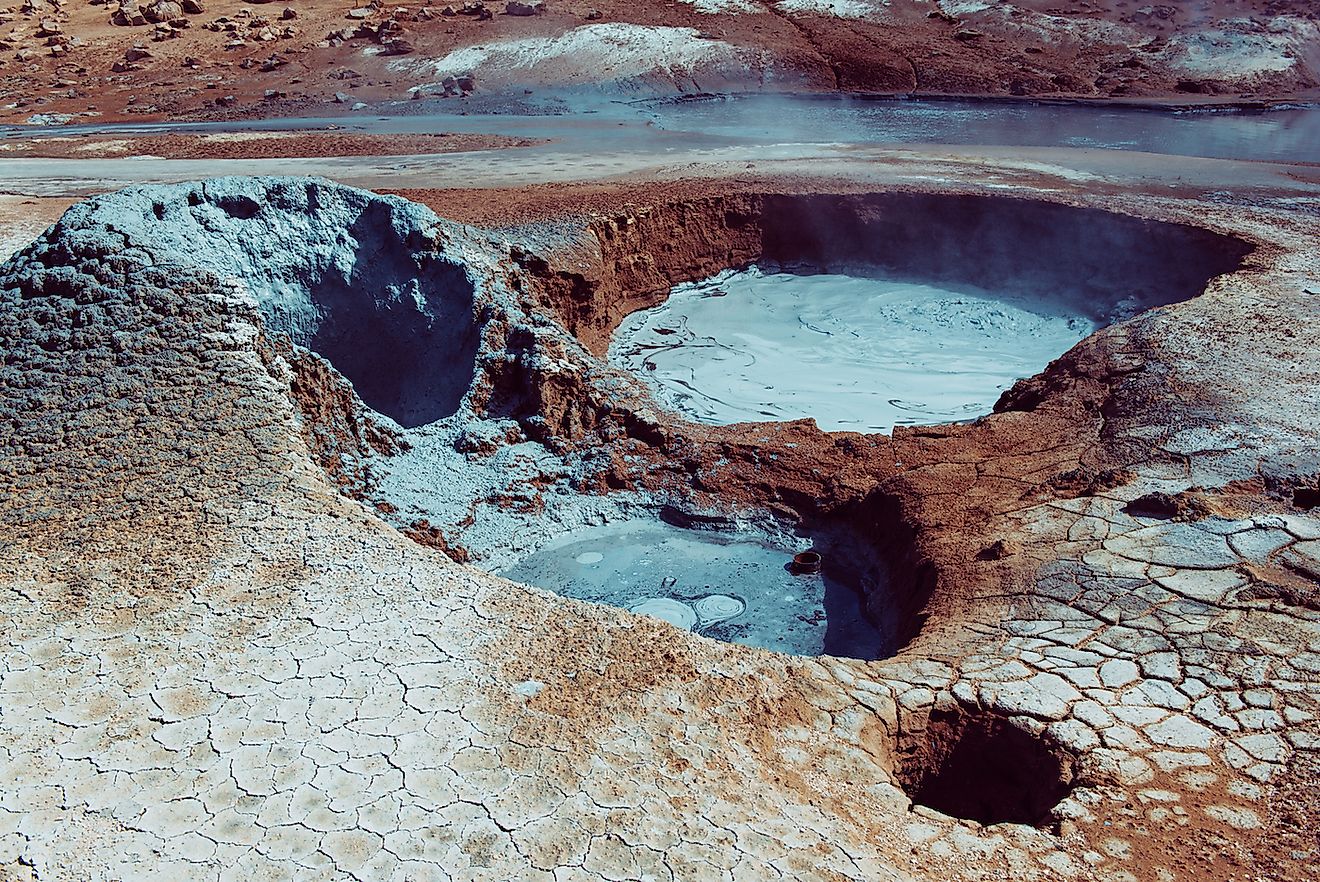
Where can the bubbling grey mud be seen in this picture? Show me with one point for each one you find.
(869, 311)
(854, 352)
(734, 586)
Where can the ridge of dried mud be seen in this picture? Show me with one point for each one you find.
(223, 663)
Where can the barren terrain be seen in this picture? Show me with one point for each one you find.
(67, 60)
(1159, 653)
(278, 401)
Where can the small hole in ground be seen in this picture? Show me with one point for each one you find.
(1306, 497)
(239, 206)
(979, 766)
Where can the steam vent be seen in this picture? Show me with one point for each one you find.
(683, 442)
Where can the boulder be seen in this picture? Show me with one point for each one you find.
(193, 7)
(163, 11)
(524, 7)
(129, 14)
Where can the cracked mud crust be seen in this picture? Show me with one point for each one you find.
(224, 660)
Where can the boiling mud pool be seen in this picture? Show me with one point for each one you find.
(722, 586)
(855, 352)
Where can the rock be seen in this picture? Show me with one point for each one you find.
(466, 82)
(999, 549)
(396, 47)
(1187, 505)
(226, 101)
(193, 7)
(163, 10)
(524, 7)
(341, 98)
(136, 53)
(129, 14)
(695, 520)
(1154, 505)
(592, 14)
(49, 28)
(359, 13)
(289, 14)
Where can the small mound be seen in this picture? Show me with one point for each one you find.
(360, 279)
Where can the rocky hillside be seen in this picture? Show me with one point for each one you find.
(117, 59)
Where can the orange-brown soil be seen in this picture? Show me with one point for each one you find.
(236, 59)
(255, 145)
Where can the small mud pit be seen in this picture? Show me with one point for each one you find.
(727, 586)
(862, 352)
(867, 312)
(980, 767)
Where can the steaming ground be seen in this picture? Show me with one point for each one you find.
(854, 353)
